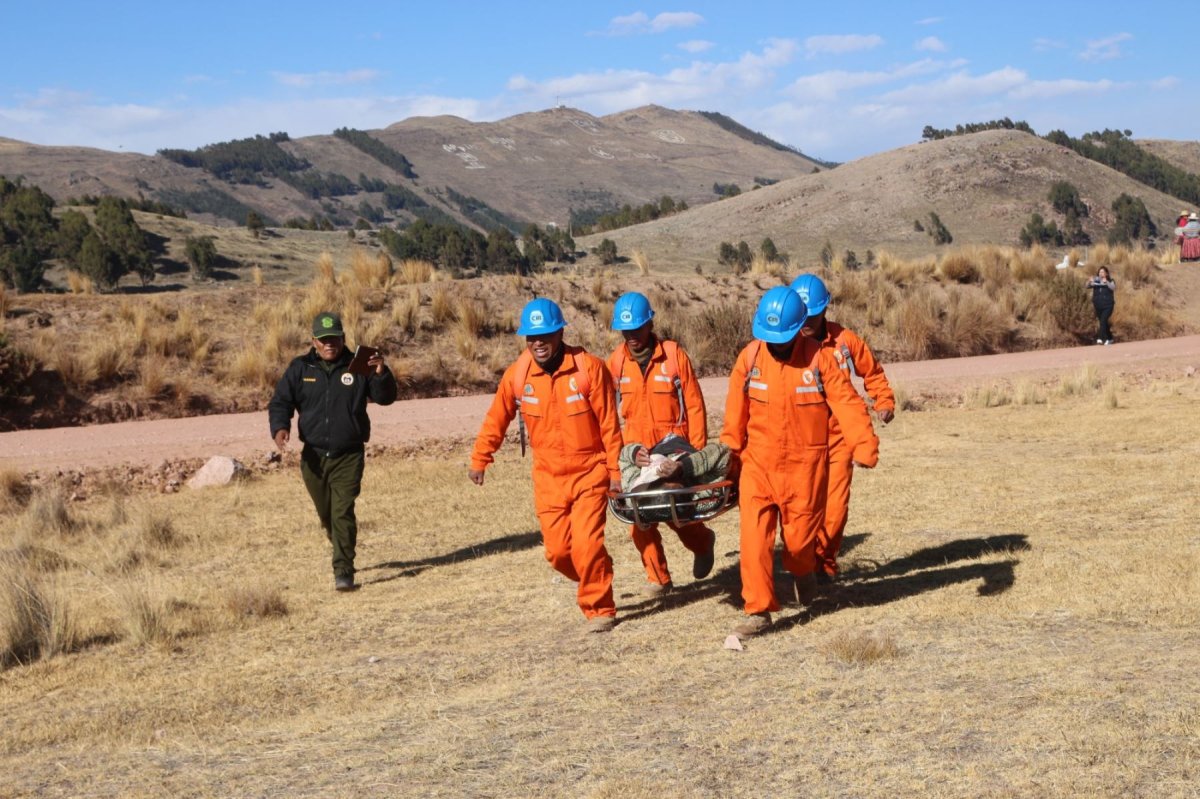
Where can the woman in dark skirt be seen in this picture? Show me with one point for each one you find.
(1103, 287)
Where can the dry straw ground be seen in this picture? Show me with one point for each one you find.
(1018, 619)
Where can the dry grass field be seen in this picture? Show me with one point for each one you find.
(1018, 618)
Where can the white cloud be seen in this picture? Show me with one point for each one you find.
(695, 46)
(1169, 82)
(307, 80)
(929, 21)
(960, 86)
(641, 22)
(1043, 45)
(827, 86)
(1044, 89)
(617, 90)
(848, 43)
(146, 129)
(1105, 49)
(931, 43)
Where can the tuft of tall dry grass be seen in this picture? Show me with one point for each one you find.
(1139, 315)
(915, 324)
(599, 290)
(1032, 264)
(714, 336)
(49, 514)
(441, 307)
(152, 378)
(987, 396)
(1138, 267)
(641, 262)
(35, 620)
(251, 367)
(324, 271)
(257, 601)
(905, 273)
(256, 275)
(15, 491)
(4, 302)
(861, 648)
(79, 283)
(143, 611)
(959, 267)
(406, 311)
(760, 265)
(413, 271)
(371, 271)
(974, 325)
(472, 316)
(1083, 383)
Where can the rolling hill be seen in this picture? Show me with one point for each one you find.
(983, 186)
(535, 167)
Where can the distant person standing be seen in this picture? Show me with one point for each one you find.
(658, 395)
(334, 426)
(855, 359)
(564, 395)
(1103, 287)
(1188, 238)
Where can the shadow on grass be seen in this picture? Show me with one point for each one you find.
(866, 584)
(411, 568)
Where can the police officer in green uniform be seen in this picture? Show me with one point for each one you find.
(332, 403)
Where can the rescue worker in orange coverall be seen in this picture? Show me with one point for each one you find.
(783, 388)
(565, 396)
(854, 357)
(659, 396)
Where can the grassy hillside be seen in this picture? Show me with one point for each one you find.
(983, 186)
(990, 639)
(534, 167)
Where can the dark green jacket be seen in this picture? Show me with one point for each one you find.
(332, 403)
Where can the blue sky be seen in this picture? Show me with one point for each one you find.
(837, 80)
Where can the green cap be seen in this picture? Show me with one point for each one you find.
(327, 324)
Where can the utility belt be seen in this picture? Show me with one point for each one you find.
(334, 453)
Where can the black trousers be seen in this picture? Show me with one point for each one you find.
(1103, 312)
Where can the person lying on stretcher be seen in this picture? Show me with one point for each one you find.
(672, 463)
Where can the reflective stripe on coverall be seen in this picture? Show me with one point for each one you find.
(650, 412)
(576, 442)
(777, 422)
(841, 466)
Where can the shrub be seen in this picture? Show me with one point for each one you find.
(201, 253)
(716, 335)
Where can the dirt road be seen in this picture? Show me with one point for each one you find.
(245, 435)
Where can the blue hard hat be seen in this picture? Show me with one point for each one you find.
(780, 315)
(812, 290)
(631, 311)
(539, 317)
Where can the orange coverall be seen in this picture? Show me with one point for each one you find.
(862, 362)
(650, 411)
(777, 423)
(576, 441)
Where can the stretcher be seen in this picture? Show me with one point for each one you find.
(678, 505)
